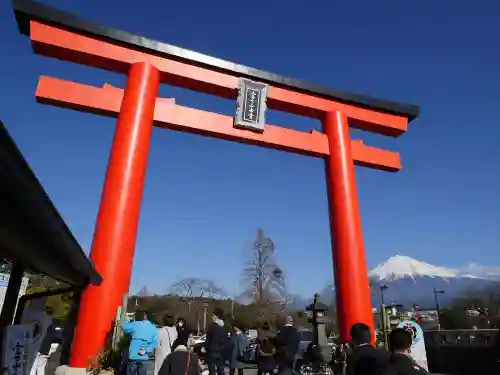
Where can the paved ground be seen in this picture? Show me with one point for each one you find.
(249, 370)
(253, 371)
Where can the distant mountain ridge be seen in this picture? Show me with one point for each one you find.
(400, 267)
(410, 281)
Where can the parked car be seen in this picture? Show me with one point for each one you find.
(252, 334)
(250, 354)
(199, 339)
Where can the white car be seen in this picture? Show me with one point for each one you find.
(199, 339)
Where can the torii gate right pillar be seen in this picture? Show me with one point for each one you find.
(351, 273)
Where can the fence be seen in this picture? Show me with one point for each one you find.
(463, 352)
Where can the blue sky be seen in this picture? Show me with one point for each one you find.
(204, 198)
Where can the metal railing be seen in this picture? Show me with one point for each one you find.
(465, 337)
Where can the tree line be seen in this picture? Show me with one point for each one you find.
(264, 297)
(478, 309)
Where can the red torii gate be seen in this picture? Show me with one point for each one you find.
(148, 63)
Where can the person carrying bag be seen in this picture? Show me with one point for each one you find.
(166, 338)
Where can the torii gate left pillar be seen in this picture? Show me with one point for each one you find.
(118, 219)
(147, 63)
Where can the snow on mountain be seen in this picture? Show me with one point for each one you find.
(400, 266)
(411, 281)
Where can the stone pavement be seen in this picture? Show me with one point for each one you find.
(253, 371)
(249, 370)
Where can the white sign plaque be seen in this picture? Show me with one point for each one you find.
(251, 105)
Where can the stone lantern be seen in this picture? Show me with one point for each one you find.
(319, 320)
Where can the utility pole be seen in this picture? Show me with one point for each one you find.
(205, 305)
(436, 300)
(198, 322)
(382, 315)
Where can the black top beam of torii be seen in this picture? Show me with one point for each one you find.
(27, 10)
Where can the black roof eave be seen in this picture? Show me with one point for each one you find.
(31, 228)
(27, 10)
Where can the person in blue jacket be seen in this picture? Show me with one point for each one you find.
(143, 342)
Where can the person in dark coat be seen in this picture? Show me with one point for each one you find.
(287, 345)
(266, 350)
(182, 333)
(239, 342)
(365, 358)
(401, 363)
(180, 362)
(217, 343)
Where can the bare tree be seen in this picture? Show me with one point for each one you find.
(211, 290)
(189, 287)
(287, 300)
(264, 280)
(193, 288)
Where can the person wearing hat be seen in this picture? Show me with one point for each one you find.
(217, 344)
(143, 342)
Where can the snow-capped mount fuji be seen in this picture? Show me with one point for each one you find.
(410, 281)
(399, 267)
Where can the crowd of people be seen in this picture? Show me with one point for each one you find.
(362, 358)
(171, 349)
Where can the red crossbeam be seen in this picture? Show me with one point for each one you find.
(107, 101)
(70, 46)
